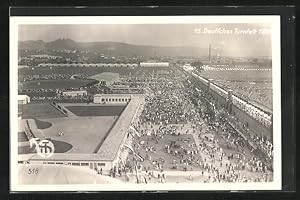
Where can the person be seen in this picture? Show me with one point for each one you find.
(127, 176)
(163, 178)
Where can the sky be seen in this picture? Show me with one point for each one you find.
(227, 38)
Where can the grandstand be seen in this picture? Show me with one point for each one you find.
(255, 118)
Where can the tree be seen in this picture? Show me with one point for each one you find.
(198, 65)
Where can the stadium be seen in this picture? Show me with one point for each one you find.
(93, 134)
(177, 121)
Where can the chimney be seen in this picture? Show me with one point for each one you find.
(209, 53)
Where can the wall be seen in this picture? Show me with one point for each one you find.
(253, 125)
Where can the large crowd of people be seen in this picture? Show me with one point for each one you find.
(244, 96)
(173, 107)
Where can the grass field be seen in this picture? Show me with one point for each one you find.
(89, 71)
(42, 124)
(25, 150)
(56, 84)
(96, 110)
(61, 147)
(39, 111)
(83, 133)
(22, 137)
(108, 76)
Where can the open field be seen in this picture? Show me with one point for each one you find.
(56, 84)
(22, 137)
(61, 147)
(96, 110)
(42, 124)
(39, 111)
(108, 76)
(83, 133)
(88, 71)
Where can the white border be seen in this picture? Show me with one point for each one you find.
(276, 81)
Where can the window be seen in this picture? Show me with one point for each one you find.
(101, 164)
(102, 99)
(84, 164)
(75, 164)
(59, 163)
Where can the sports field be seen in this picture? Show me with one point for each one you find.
(96, 110)
(39, 111)
(56, 84)
(88, 71)
(83, 133)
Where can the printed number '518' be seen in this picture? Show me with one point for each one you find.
(33, 171)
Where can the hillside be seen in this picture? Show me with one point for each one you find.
(113, 48)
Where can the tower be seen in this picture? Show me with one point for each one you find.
(209, 53)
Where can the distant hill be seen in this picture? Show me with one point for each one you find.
(32, 44)
(114, 48)
(63, 44)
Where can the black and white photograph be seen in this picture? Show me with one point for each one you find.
(145, 103)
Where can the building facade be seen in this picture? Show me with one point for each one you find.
(74, 93)
(154, 64)
(112, 98)
(23, 99)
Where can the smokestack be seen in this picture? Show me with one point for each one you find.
(209, 53)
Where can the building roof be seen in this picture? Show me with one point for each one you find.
(75, 91)
(112, 95)
(23, 97)
(106, 76)
(112, 143)
(154, 64)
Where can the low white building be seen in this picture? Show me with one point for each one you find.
(74, 93)
(23, 99)
(154, 64)
(112, 98)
